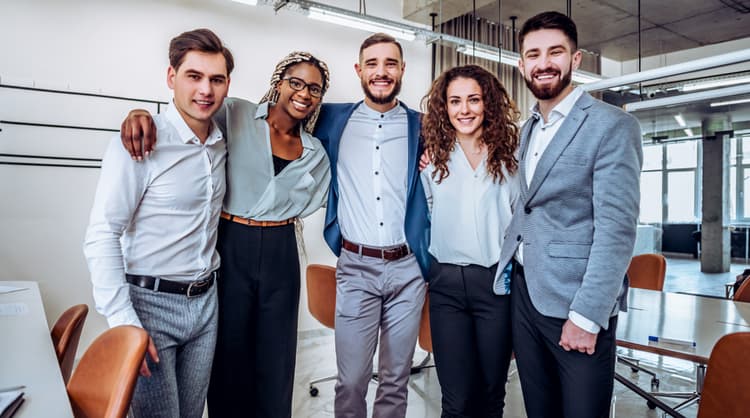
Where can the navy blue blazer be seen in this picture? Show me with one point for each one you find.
(331, 123)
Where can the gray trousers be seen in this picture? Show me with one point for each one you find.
(184, 332)
(374, 297)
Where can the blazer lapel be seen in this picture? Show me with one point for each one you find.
(560, 141)
(414, 124)
(526, 130)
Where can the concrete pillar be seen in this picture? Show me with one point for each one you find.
(715, 236)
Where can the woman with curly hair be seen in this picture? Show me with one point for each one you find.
(470, 131)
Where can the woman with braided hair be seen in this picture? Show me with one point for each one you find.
(470, 130)
(277, 173)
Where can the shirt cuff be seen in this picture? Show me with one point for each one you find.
(124, 317)
(584, 323)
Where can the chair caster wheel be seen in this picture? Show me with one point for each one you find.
(650, 405)
(314, 391)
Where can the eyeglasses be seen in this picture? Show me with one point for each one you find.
(298, 84)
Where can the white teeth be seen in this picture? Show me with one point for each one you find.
(300, 104)
(203, 102)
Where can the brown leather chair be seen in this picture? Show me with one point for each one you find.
(425, 337)
(725, 390)
(66, 333)
(647, 271)
(102, 385)
(743, 293)
(321, 301)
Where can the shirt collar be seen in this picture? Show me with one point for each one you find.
(306, 137)
(371, 113)
(183, 130)
(562, 108)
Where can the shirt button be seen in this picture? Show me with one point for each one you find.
(527, 210)
(380, 126)
(377, 146)
(376, 173)
(382, 116)
(518, 238)
(381, 224)
(377, 198)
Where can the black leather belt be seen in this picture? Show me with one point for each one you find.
(389, 254)
(189, 289)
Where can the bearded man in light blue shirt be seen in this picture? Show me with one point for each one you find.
(376, 222)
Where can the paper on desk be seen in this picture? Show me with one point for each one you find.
(13, 309)
(11, 289)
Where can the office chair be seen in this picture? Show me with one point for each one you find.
(425, 337)
(321, 301)
(66, 333)
(743, 293)
(725, 390)
(102, 385)
(646, 271)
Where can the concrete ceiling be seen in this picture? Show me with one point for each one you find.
(610, 27)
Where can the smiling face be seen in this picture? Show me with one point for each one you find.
(465, 107)
(298, 104)
(380, 70)
(547, 63)
(200, 84)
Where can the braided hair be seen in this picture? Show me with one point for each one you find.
(296, 57)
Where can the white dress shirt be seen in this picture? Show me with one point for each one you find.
(469, 211)
(158, 217)
(540, 138)
(372, 175)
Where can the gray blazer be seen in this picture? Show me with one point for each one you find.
(577, 219)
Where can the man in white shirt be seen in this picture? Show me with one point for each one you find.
(150, 244)
(573, 229)
(376, 222)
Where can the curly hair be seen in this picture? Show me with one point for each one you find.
(294, 58)
(500, 131)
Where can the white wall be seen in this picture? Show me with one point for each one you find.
(120, 48)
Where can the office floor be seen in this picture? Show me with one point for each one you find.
(315, 358)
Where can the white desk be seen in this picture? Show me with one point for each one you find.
(27, 356)
(703, 320)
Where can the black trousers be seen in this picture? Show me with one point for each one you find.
(253, 369)
(555, 382)
(471, 339)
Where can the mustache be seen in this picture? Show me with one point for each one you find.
(382, 78)
(546, 71)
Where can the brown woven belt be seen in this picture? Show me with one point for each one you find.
(389, 254)
(253, 222)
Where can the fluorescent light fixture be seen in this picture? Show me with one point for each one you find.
(249, 2)
(712, 84)
(730, 102)
(368, 24)
(680, 120)
(511, 58)
(688, 131)
(489, 53)
(672, 70)
(698, 96)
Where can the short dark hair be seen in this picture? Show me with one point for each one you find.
(550, 20)
(202, 40)
(380, 38)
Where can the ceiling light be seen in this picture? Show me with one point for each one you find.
(249, 2)
(672, 70)
(712, 84)
(511, 58)
(688, 98)
(680, 120)
(688, 132)
(730, 102)
(368, 23)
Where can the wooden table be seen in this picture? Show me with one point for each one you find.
(27, 356)
(681, 317)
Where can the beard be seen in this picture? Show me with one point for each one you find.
(550, 91)
(382, 99)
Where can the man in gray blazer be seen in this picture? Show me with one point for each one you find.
(572, 233)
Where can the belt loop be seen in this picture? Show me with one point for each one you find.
(360, 248)
(156, 284)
